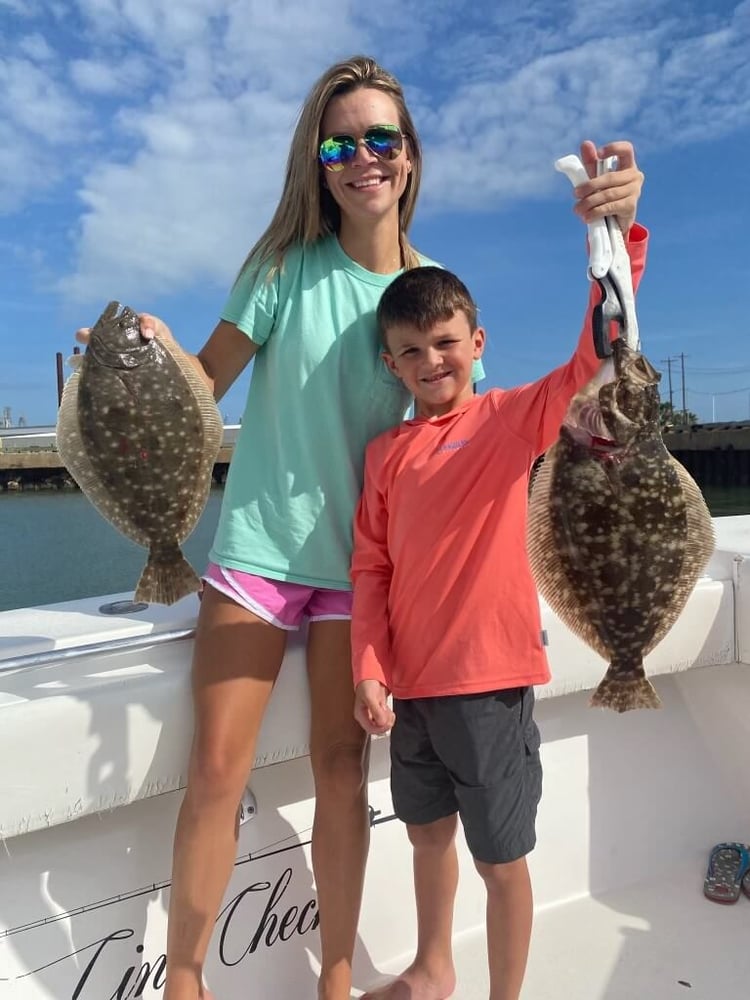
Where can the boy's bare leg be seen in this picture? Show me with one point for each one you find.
(341, 828)
(509, 915)
(236, 660)
(431, 976)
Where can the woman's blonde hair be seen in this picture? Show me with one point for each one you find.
(306, 209)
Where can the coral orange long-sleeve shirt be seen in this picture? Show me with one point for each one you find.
(444, 599)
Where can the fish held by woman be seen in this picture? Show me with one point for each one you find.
(138, 429)
(618, 530)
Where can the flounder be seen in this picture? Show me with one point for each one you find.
(618, 531)
(138, 430)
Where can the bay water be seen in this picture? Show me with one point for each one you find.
(56, 547)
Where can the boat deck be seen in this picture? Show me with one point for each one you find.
(661, 941)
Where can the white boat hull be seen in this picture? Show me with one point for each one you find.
(92, 756)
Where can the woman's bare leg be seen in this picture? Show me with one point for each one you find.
(341, 830)
(236, 661)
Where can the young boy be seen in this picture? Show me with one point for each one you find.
(446, 616)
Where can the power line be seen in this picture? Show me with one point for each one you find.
(698, 392)
(724, 392)
(716, 371)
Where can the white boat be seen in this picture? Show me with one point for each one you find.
(95, 725)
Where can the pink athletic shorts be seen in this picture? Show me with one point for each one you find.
(279, 602)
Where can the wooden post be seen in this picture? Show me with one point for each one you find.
(60, 376)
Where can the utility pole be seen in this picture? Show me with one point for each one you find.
(668, 363)
(684, 406)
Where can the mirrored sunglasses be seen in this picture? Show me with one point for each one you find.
(383, 141)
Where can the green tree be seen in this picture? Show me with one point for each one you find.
(669, 417)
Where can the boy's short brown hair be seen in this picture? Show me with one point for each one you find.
(422, 297)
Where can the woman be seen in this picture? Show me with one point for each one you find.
(305, 302)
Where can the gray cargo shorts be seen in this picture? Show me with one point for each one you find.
(477, 755)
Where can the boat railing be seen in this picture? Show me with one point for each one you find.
(50, 657)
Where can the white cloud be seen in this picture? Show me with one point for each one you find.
(495, 140)
(208, 148)
(22, 8)
(23, 169)
(38, 119)
(658, 81)
(186, 209)
(32, 100)
(101, 77)
(36, 47)
(704, 85)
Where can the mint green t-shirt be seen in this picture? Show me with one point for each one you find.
(319, 393)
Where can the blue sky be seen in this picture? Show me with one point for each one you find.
(142, 145)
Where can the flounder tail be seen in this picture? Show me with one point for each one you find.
(166, 577)
(621, 694)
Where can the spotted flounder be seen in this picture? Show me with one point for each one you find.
(618, 531)
(138, 430)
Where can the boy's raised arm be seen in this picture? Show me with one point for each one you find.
(535, 411)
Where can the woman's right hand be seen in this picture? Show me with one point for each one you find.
(219, 361)
(151, 326)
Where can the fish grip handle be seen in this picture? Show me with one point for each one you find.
(604, 313)
(602, 258)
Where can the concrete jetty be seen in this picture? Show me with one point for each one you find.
(714, 454)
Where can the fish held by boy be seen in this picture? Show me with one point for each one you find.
(138, 430)
(618, 530)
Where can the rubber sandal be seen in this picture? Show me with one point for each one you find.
(728, 866)
(746, 884)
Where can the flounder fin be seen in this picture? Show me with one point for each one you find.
(166, 577)
(74, 456)
(213, 432)
(70, 445)
(701, 541)
(213, 425)
(624, 695)
(546, 565)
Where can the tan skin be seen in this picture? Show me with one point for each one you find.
(237, 656)
(436, 366)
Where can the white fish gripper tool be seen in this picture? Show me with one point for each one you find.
(609, 267)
